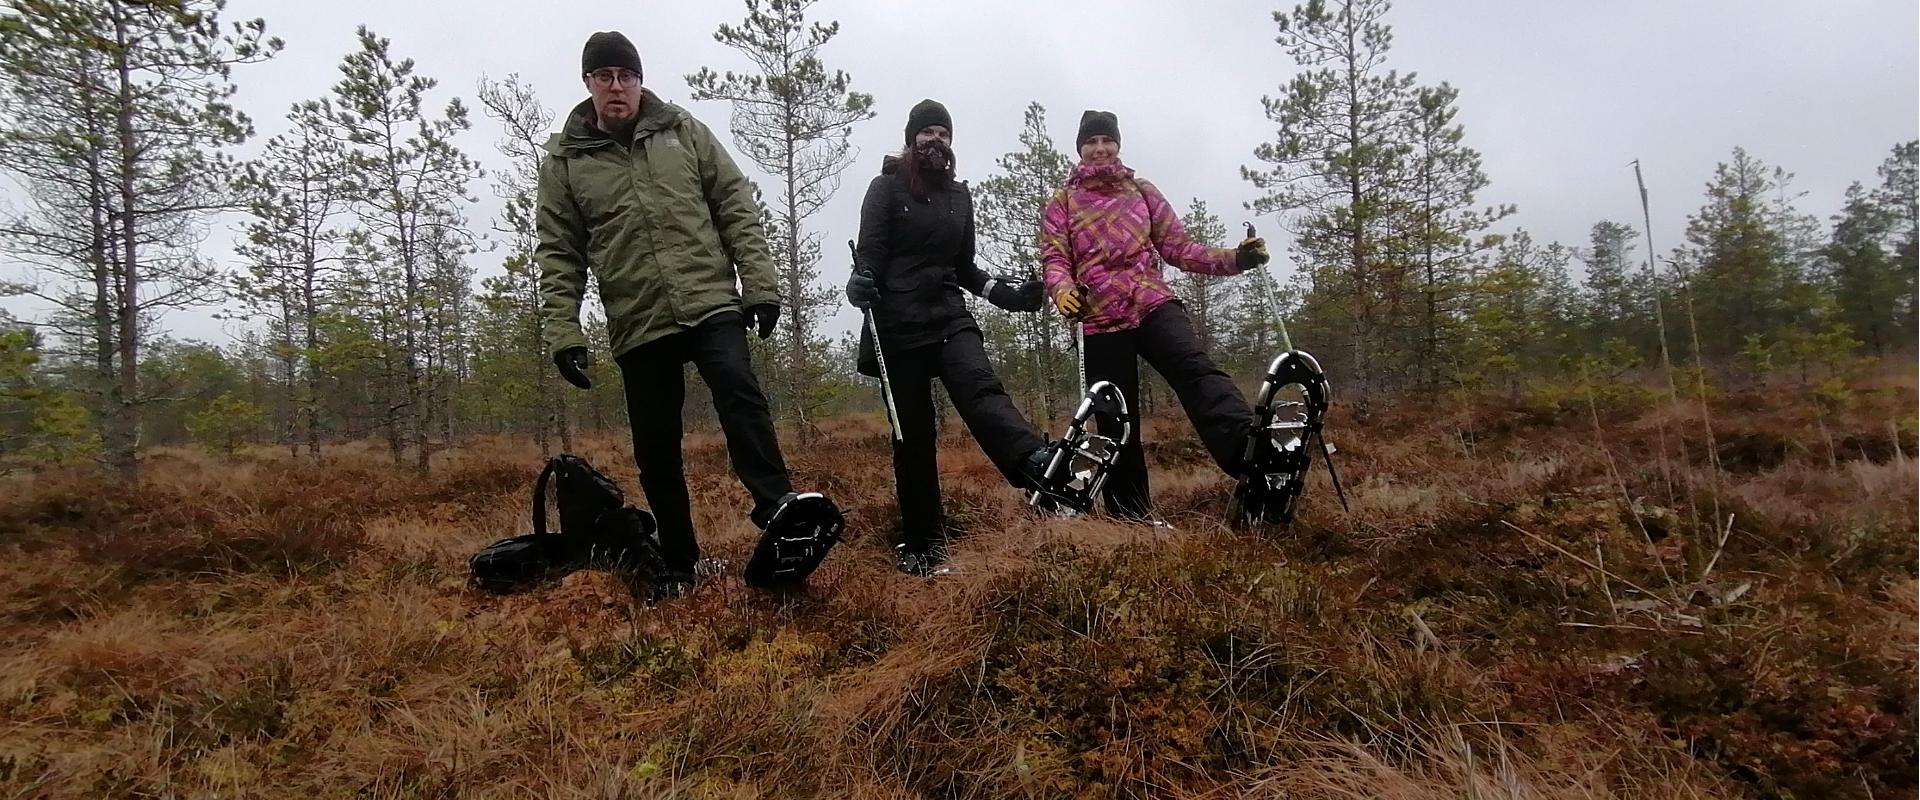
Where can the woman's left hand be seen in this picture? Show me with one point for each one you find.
(1252, 253)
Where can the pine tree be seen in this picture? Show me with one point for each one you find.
(1745, 276)
(412, 180)
(1522, 313)
(40, 420)
(1338, 164)
(1863, 273)
(293, 247)
(1205, 296)
(130, 102)
(1443, 230)
(1615, 295)
(1899, 182)
(1033, 350)
(793, 118)
(1261, 313)
(449, 292)
(515, 297)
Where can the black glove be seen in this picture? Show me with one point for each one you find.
(1028, 297)
(764, 317)
(862, 292)
(1252, 253)
(574, 363)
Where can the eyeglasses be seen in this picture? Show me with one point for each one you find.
(606, 77)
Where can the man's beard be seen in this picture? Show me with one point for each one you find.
(618, 126)
(934, 157)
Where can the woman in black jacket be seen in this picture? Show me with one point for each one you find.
(914, 257)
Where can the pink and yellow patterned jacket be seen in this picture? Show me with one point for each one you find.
(1102, 230)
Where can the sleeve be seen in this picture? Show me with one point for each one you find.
(561, 252)
(870, 250)
(971, 277)
(736, 216)
(1171, 242)
(1056, 246)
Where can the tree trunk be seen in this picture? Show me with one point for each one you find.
(104, 255)
(122, 451)
(1363, 378)
(797, 372)
(310, 398)
(417, 406)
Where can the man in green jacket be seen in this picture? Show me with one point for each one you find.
(639, 192)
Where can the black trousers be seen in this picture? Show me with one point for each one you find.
(656, 391)
(960, 363)
(1219, 412)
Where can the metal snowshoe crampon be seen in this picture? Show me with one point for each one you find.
(1077, 464)
(1289, 415)
(795, 541)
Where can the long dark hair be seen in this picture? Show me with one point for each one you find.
(913, 173)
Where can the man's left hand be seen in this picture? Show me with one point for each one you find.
(764, 317)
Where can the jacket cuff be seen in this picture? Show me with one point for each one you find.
(561, 340)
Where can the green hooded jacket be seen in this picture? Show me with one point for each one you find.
(662, 222)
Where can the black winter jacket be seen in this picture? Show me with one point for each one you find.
(922, 257)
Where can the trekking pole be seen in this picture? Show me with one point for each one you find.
(879, 355)
(1273, 297)
(1080, 351)
(1318, 436)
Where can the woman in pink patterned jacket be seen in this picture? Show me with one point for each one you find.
(1099, 237)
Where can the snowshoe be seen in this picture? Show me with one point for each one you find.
(1077, 464)
(796, 540)
(1288, 417)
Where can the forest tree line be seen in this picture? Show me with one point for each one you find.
(364, 318)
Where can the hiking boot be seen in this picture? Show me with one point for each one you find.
(1033, 468)
(922, 562)
(760, 517)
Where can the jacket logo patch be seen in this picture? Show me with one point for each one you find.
(670, 139)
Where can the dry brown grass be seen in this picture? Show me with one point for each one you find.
(1491, 621)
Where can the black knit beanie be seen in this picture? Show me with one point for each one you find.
(927, 113)
(610, 49)
(1094, 123)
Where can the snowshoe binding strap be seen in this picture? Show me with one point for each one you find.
(1078, 462)
(1289, 415)
(796, 540)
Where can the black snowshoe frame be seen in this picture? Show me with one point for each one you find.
(1280, 448)
(796, 540)
(1080, 459)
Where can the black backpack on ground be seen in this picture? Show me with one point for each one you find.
(597, 529)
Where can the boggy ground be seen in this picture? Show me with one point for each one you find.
(1512, 609)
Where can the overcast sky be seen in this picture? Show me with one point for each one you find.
(1558, 96)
